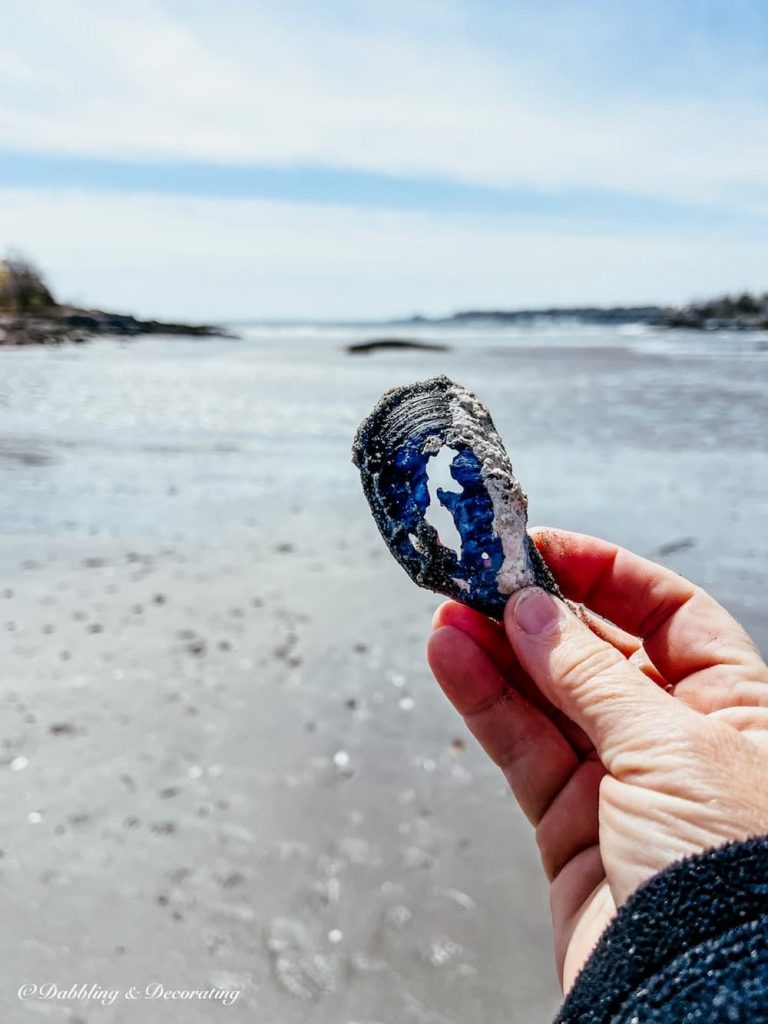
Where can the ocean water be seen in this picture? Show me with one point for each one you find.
(648, 437)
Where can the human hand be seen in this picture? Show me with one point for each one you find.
(627, 750)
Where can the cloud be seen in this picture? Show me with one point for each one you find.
(588, 103)
(422, 93)
(209, 257)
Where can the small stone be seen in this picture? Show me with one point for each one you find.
(62, 729)
(233, 879)
(163, 828)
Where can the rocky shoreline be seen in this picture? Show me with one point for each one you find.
(64, 325)
(68, 325)
(738, 313)
(743, 313)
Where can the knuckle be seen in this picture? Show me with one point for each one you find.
(578, 666)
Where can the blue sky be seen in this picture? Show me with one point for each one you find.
(364, 159)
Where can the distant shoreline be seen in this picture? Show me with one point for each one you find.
(71, 325)
(581, 314)
(741, 313)
(67, 325)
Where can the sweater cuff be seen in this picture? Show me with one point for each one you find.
(693, 934)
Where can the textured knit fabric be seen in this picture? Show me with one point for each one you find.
(689, 947)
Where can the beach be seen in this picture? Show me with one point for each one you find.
(225, 763)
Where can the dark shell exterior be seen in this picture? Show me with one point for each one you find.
(392, 449)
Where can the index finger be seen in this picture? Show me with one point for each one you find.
(683, 629)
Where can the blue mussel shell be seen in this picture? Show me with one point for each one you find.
(392, 450)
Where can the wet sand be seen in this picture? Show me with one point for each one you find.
(224, 763)
(213, 779)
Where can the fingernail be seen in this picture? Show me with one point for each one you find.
(536, 612)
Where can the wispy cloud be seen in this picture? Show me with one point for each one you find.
(248, 258)
(408, 94)
(358, 158)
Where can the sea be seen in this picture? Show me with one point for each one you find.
(654, 438)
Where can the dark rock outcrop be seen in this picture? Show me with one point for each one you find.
(30, 314)
(62, 325)
(376, 344)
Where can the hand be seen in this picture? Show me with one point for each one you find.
(629, 743)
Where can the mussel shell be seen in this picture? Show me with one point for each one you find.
(392, 448)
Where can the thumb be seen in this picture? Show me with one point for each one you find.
(585, 677)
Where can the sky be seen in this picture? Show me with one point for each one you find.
(242, 159)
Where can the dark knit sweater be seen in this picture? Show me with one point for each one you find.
(689, 947)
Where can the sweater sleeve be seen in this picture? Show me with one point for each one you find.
(689, 947)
